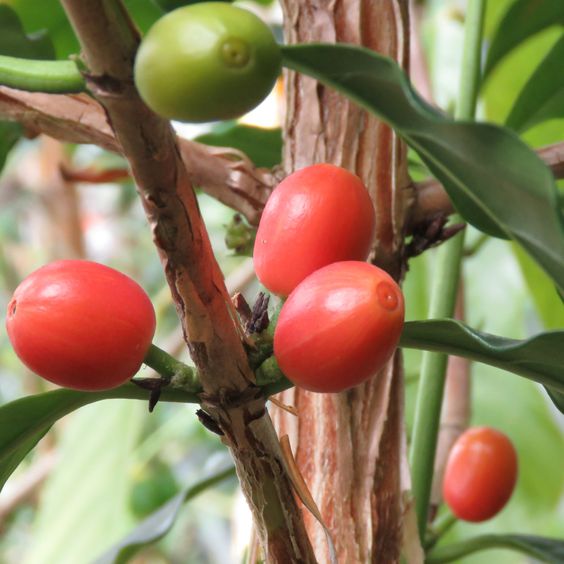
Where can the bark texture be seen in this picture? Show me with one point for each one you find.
(348, 445)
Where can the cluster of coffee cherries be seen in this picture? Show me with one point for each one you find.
(342, 317)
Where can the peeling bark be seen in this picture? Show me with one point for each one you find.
(348, 445)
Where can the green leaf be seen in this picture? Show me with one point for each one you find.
(144, 13)
(500, 92)
(495, 181)
(542, 98)
(557, 398)
(14, 41)
(541, 548)
(153, 486)
(262, 146)
(84, 504)
(11, 460)
(49, 15)
(522, 20)
(161, 521)
(539, 358)
(547, 302)
(24, 422)
(542, 291)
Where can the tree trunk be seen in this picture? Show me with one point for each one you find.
(349, 446)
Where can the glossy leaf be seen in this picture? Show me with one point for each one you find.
(11, 460)
(495, 181)
(557, 398)
(23, 422)
(523, 19)
(539, 358)
(262, 146)
(541, 548)
(156, 526)
(547, 302)
(51, 17)
(16, 43)
(542, 98)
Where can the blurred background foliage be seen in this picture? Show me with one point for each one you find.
(99, 472)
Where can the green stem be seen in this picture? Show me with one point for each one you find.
(431, 385)
(443, 298)
(214, 479)
(473, 249)
(59, 77)
(454, 552)
(183, 377)
(444, 523)
(277, 387)
(440, 527)
(270, 378)
(471, 61)
(174, 372)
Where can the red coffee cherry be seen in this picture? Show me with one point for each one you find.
(339, 327)
(81, 325)
(319, 215)
(480, 474)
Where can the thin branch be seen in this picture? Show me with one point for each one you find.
(231, 401)
(224, 173)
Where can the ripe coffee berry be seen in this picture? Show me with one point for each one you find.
(318, 215)
(480, 474)
(81, 325)
(339, 327)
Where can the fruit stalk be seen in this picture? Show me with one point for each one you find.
(109, 41)
(173, 372)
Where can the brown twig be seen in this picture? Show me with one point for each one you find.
(224, 173)
(109, 41)
(93, 175)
